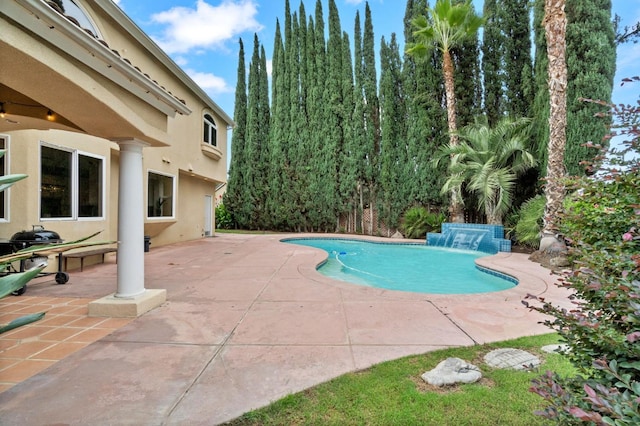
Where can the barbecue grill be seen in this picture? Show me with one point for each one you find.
(25, 239)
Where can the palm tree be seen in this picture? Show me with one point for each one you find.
(487, 161)
(448, 27)
(555, 24)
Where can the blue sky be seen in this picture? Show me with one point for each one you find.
(202, 35)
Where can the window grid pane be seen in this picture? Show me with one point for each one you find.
(56, 187)
(3, 171)
(89, 186)
(159, 195)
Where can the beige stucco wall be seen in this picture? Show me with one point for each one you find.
(24, 207)
(197, 168)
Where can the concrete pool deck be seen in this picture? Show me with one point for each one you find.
(247, 321)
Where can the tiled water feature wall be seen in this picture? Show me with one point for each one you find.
(470, 236)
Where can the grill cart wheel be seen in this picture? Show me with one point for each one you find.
(62, 277)
(20, 291)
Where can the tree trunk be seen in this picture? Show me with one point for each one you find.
(555, 24)
(456, 211)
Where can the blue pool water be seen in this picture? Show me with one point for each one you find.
(406, 267)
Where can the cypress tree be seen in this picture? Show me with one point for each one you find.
(278, 202)
(234, 196)
(371, 111)
(358, 126)
(252, 208)
(333, 131)
(317, 59)
(514, 19)
(467, 81)
(392, 195)
(492, 55)
(540, 124)
(591, 63)
(426, 122)
(347, 157)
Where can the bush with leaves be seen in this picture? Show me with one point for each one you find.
(602, 331)
(224, 219)
(417, 221)
(529, 225)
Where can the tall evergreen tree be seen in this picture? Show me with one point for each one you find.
(426, 121)
(514, 20)
(234, 197)
(540, 114)
(392, 194)
(347, 161)
(591, 65)
(468, 81)
(492, 56)
(358, 120)
(277, 203)
(253, 207)
(371, 110)
(325, 170)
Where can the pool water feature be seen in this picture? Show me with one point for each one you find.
(406, 267)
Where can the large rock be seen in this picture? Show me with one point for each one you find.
(452, 370)
(552, 254)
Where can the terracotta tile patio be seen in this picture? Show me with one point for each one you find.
(65, 329)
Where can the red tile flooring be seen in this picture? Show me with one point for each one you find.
(65, 328)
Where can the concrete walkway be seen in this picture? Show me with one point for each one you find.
(249, 320)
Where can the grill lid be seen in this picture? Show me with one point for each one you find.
(37, 235)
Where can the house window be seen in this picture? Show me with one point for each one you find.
(72, 8)
(3, 171)
(71, 184)
(160, 197)
(210, 131)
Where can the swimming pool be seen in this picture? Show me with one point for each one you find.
(406, 267)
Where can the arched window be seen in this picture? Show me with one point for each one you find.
(73, 9)
(210, 131)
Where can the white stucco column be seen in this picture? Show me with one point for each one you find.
(131, 220)
(131, 298)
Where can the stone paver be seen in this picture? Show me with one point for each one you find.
(516, 359)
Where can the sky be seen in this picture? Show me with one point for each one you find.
(202, 35)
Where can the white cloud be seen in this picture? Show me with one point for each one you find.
(210, 83)
(353, 1)
(206, 26)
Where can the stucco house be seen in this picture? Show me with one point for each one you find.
(113, 134)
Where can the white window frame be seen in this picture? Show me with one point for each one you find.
(7, 171)
(212, 129)
(81, 9)
(174, 182)
(75, 164)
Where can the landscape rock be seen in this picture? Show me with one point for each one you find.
(451, 371)
(557, 348)
(516, 359)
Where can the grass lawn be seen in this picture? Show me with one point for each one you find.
(393, 393)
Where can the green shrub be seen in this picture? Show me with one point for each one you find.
(418, 221)
(224, 219)
(602, 330)
(529, 225)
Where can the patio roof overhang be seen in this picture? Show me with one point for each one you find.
(56, 65)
